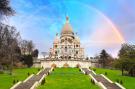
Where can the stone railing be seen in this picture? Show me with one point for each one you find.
(15, 85)
(28, 77)
(34, 80)
(101, 80)
(106, 78)
(35, 85)
(120, 85)
(100, 84)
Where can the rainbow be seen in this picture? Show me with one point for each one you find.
(108, 20)
(114, 27)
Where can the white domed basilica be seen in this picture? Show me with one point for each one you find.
(67, 46)
(66, 51)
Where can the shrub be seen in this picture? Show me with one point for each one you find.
(105, 73)
(94, 69)
(43, 82)
(38, 69)
(86, 73)
(14, 81)
(92, 81)
(117, 80)
(28, 74)
(1, 72)
(121, 82)
(17, 80)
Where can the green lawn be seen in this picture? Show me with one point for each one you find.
(6, 80)
(67, 78)
(128, 82)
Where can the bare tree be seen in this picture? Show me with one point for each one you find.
(24, 46)
(5, 9)
(30, 47)
(9, 39)
(27, 47)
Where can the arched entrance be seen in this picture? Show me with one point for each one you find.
(66, 65)
(54, 65)
(78, 65)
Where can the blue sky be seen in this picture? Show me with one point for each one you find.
(100, 24)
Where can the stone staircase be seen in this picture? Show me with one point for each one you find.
(30, 82)
(101, 79)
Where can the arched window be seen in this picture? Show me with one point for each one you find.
(62, 41)
(56, 52)
(65, 38)
(65, 49)
(55, 46)
(76, 52)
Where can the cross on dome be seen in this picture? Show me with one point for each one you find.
(67, 18)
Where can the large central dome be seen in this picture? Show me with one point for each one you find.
(67, 29)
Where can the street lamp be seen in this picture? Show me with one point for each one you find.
(44, 54)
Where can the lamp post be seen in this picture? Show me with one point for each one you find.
(44, 54)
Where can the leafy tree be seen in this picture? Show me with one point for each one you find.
(126, 60)
(35, 53)
(103, 58)
(28, 60)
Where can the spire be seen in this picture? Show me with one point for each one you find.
(56, 34)
(67, 19)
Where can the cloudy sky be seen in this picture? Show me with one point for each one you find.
(100, 24)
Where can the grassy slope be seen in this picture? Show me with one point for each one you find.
(128, 82)
(67, 78)
(6, 80)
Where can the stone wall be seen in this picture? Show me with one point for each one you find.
(63, 63)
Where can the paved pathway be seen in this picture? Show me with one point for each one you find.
(28, 84)
(101, 79)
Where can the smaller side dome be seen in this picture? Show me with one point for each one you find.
(77, 39)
